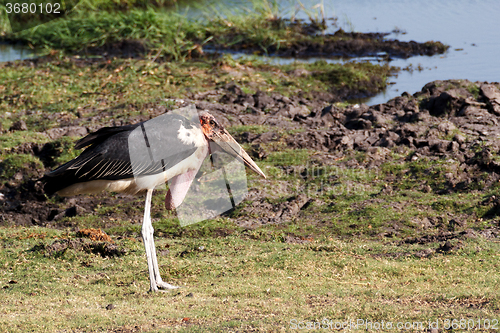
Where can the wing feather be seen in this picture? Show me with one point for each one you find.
(107, 155)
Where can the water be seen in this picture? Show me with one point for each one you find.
(12, 52)
(469, 25)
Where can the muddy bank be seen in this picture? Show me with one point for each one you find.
(340, 44)
(450, 127)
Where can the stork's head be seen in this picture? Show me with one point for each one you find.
(216, 133)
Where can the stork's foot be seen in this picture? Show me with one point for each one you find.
(161, 286)
(164, 285)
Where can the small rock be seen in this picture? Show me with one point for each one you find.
(299, 72)
(74, 211)
(425, 223)
(426, 189)
(459, 138)
(358, 124)
(440, 146)
(78, 131)
(454, 223)
(446, 127)
(190, 295)
(426, 253)
(470, 233)
(56, 133)
(69, 212)
(262, 100)
(446, 247)
(300, 110)
(346, 142)
(19, 126)
(447, 102)
(491, 92)
(110, 307)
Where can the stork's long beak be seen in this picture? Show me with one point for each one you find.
(229, 145)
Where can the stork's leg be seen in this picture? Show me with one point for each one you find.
(159, 282)
(148, 237)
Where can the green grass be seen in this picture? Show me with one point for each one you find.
(167, 32)
(342, 256)
(96, 22)
(72, 87)
(258, 129)
(19, 163)
(93, 29)
(113, 5)
(15, 139)
(239, 282)
(39, 15)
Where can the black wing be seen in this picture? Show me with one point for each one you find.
(102, 134)
(108, 155)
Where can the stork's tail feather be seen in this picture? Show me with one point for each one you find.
(59, 178)
(49, 185)
(54, 183)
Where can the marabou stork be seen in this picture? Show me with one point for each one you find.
(106, 165)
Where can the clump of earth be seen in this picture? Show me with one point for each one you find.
(454, 121)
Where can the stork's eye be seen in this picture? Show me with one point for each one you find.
(212, 122)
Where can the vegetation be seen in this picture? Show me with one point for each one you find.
(71, 86)
(169, 34)
(358, 250)
(239, 282)
(96, 23)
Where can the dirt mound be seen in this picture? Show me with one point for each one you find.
(60, 246)
(94, 235)
(339, 44)
(446, 120)
(453, 124)
(356, 44)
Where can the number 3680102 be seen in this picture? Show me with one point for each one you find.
(33, 8)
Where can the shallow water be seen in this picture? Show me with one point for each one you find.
(12, 52)
(473, 27)
(470, 26)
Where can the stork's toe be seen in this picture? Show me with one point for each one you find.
(164, 285)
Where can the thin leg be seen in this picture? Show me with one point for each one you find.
(147, 233)
(149, 245)
(156, 270)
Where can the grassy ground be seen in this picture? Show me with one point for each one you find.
(329, 264)
(237, 283)
(74, 86)
(357, 251)
(170, 34)
(167, 31)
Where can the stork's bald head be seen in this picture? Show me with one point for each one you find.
(209, 125)
(215, 132)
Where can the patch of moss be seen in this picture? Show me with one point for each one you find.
(28, 165)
